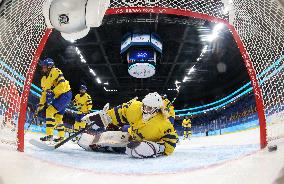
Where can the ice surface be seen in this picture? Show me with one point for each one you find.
(230, 158)
(187, 156)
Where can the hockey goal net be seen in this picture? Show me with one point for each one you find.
(257, 26)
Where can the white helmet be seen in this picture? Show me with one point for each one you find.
(151, 104)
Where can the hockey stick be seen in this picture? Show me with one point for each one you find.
(93, 118)
(74, 135)
(42, 145)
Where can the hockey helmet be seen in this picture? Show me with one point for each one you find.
(83, 87)
(152, 103)
(48, 62)
(164, 96)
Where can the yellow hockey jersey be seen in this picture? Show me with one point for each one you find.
(169, 107)
(56, 82)
(156, 129)
(83, 102)
(186, 123)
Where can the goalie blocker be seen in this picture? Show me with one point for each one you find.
(116, 141)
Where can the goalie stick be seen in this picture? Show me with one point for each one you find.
(45, 146)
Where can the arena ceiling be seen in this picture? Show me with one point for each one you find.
(218, 69)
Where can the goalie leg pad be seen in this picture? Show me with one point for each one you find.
(144, 149)
(86, 140)
(113, 139)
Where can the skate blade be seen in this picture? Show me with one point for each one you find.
(42, 145)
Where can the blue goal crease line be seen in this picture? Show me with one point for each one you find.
(277, 62)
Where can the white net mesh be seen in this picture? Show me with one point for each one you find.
(259, 24)
(261, 28)
(21, 29)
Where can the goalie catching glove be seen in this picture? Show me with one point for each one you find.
(144, 149)
(101, 118)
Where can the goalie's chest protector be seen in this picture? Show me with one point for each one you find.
(152, 130)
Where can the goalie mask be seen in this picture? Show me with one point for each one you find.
(152, 104)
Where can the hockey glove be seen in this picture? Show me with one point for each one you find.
(49, 97)
(72, 106)
(144, 149)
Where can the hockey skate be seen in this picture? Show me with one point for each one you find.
(59, 139)
(47, 138)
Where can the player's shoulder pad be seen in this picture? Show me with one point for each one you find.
(136, 103)
(88, 96)
(56, 70)
(132, 104)
(166, 100)
(43, 78)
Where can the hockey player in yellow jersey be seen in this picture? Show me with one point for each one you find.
(151, 133)
(186, 124)
(168, 109)
(56, 95)
(83, 103)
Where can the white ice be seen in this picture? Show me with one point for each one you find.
(230, 158)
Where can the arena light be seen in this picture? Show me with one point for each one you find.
(92, 72)
(218, 27)
(215, 32)
(106, 83)
(212, 37)
(99, 80)
(177, 85)
(110, 90)
(80, 55)
(204, 49)
(83, 60)
(177, 82)
(77, 50)
(191, 70)
(185, 79)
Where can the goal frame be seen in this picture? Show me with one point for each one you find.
(157, 10)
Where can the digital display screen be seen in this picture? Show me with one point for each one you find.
(141, 38)
(141, 55)
(126, 43)
(156, 43)
(147, 40)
